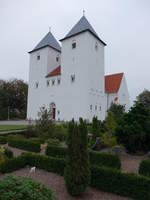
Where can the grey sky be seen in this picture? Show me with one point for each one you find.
(123, 24)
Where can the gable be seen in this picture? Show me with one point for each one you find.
(113, 82)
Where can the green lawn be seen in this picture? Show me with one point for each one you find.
(12, 127)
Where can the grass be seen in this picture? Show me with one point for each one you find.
(12, 127)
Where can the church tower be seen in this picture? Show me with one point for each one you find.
(82, 71)
(44, 58)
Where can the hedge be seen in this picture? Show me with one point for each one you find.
(96, 158)
(56, 151)
(104, 159)
(3, 140)
(24, 144)
(144, 168)
(47, 163)
(124, 184)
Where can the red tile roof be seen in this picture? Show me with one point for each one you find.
(55, 72)
(112, 82)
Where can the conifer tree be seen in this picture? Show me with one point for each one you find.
(77, 171)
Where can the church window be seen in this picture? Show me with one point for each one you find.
(47, 83)
(73, 45)
(96, 46)
(58, 81)
(58, 112)
(100, 108)
(38, 57)
(95, 107)
(57, 58)
(36, 85)
(90, 107)
(72, 78)
(53, 82)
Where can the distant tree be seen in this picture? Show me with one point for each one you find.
(13, 99)
(77, 171)
(144, 98)
(117, 110)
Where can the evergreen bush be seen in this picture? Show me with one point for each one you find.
(144, 168)
(56, 151)
(77, 172)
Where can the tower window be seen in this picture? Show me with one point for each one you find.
(36, 85)
(95, 107)
(53, 82)
(73, 45)
(58, 112)
(47, 83)
(57, 58)
(38, 57)
(90, 107)
(72, 78)
(100, 108)
(58, 81)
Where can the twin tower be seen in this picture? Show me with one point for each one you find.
(70, 77)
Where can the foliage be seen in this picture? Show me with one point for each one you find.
(108, 141)
(133, 130)
(60, 132)
(56, 151)
(95, 128)
(45, 126)
(77, 172)
(21, 188)
(144, 98)
(104, 159)
(13, 99)
(8, 153)
(144, 168)
(110, 123)
(3, 140)
(11, 127)
(124, 184)
(47, 163)
(53, 142)
(117, 111)
(24, 144)
(30, 131)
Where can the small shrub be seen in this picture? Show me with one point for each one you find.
(108, 141)
(144, 168)
(60, 133)
(8, 153)
(104, 159)
(21, 188)
(53, 142)
(124, 184)
(24, 144)
(56, 151)
(3, 139)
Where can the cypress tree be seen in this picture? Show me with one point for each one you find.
(77, 171)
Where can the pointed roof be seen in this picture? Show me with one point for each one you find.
(55, 72)
(113, 82)
(48, 40)
(81, 26)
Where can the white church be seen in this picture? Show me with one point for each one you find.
(71, 77)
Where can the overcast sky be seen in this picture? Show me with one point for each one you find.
(123, 24)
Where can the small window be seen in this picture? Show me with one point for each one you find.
(36, 85)
(53, 82)
(47, 83)
(58, 112)
(100, 108)
(58, 81)
(72, 78)
(90, 107)
(38, 57)
(96, 46)
(95, 107)
(57, 58)
(73, 45)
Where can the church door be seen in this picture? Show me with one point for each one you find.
(54, 113)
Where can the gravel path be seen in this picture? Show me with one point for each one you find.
(57, 184)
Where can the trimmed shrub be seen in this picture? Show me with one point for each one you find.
(77, 171)
(24, 144)
(8, 153)
(47, 163)
(10, 165)
(124, 184)
(105, 159)
(21, 188)
(3, 140)
(144, 168)
(53, 142)
(56, 151)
